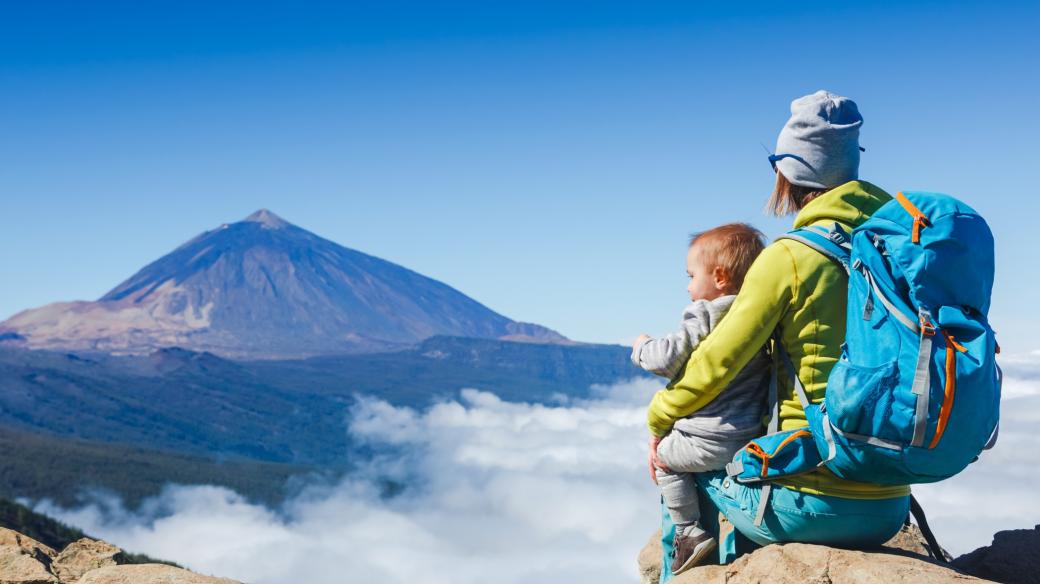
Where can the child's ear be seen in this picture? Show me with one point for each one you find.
(721, 277)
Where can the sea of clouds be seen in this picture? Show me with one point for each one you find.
(511, 492)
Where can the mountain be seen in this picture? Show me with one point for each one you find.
(263, 288)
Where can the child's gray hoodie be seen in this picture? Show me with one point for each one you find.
(738, 412)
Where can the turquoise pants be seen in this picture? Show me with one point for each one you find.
(791, 517)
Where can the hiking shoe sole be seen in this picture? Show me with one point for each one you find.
(699, 553)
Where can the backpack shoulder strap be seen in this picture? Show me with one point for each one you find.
(833, 242)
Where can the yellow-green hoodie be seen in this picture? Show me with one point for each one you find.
(803, 292)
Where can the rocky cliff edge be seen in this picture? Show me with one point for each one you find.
(1012, 558)
(24, 560)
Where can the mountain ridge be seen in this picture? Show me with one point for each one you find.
(201, 404)
(264, 288)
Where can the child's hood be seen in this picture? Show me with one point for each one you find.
(709, 311)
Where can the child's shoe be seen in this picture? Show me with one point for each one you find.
(690, 548)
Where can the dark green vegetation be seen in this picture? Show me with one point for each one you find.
(131, 424)
(53, 533)
(39, 527)
(43, 466)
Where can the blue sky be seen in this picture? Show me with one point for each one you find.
(547, 159)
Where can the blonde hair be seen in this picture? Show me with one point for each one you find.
(732, 247)
(789, 198)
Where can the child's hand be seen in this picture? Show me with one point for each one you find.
(640, 340)
(655, 463)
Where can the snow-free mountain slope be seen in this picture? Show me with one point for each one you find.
(265, 288)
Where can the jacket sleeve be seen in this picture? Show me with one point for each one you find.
(667, 355)
(763, 299)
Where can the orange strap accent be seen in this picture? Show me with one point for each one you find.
(951, 342)
(755, 449)
(920, 220)
(952, 347)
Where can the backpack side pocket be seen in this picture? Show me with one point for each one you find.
(775, 456)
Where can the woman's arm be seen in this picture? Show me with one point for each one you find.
(768, 288)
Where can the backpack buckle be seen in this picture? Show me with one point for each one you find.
(927, 328)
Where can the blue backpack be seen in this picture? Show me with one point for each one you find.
(915, 396)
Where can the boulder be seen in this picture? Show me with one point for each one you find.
(650, 560)
(26, 544)
(84, 555)
(903, 559)
(798, 563)
(23, 560)
(1013, 557)
(148, 574)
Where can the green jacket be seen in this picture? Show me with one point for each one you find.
(803, 292)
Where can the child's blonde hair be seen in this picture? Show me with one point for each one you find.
(732, 247)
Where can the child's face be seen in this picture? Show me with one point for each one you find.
(707, 282)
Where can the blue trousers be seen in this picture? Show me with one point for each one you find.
(792, 516)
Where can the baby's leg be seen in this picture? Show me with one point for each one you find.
(679, 490)
(684, 455)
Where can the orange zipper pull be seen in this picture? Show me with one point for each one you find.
(920, 220)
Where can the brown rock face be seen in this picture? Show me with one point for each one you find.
(83, 556)
(650, 560)
(148, 574)
(26, 544)
(902, 560)
(798, 563)
(24, 560)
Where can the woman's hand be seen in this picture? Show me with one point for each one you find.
(654, 462)
(640, 340)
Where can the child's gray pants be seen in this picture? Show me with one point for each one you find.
(685, 454)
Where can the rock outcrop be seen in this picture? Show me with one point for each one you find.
(24, 560)
(1012, 558)
(148, 574)
(84, 555)
(903, 560)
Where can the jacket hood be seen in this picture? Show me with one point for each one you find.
(849, 204)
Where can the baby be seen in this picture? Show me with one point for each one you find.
(707, 439)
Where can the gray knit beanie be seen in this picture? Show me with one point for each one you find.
(819, 145)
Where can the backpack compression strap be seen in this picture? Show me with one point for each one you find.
(934, 549)
(833, 243)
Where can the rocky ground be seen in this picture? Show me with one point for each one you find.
(1013, 558)
(24, 560)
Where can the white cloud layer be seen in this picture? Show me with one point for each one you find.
(513, 493)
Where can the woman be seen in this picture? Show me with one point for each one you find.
(801, 293)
